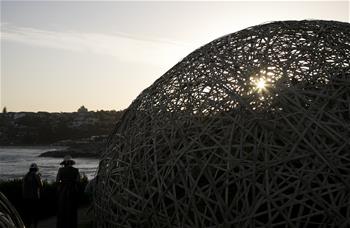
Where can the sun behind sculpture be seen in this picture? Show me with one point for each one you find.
(250, 130)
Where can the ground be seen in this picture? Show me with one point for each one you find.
(83, 220)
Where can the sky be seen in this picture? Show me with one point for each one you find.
(57, 56)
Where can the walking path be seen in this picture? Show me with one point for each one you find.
(83, 220)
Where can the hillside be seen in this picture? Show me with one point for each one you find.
(43, 128)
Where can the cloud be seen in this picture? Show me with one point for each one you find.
(125, 47)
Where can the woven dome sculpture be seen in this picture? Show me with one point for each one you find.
(250, 130)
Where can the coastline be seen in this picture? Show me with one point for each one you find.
(53, 151)
(83, 148)
(14, 162)
(48, 146)
(68, 151)
(90, 147)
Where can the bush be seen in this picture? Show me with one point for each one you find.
(12, 189)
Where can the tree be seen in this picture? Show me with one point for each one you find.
(82, 109)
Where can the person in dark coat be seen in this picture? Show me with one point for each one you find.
(68, 179)
(31, 188)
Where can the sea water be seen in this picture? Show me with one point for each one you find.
(15, 162)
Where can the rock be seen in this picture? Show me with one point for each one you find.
(73, 153)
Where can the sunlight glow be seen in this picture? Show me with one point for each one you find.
(264, 79)
(261, 84)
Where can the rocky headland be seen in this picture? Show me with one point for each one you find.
(88, 148)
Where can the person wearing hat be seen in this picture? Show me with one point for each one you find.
(31, 188)
(68, 179)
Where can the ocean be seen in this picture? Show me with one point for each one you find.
(15, 162)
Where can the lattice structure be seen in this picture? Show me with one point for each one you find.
(250, 130)
(9, 216)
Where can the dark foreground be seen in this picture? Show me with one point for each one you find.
(84, 220)
(12, 189)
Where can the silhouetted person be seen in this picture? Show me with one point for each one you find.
(31, 187)
(68, 179)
